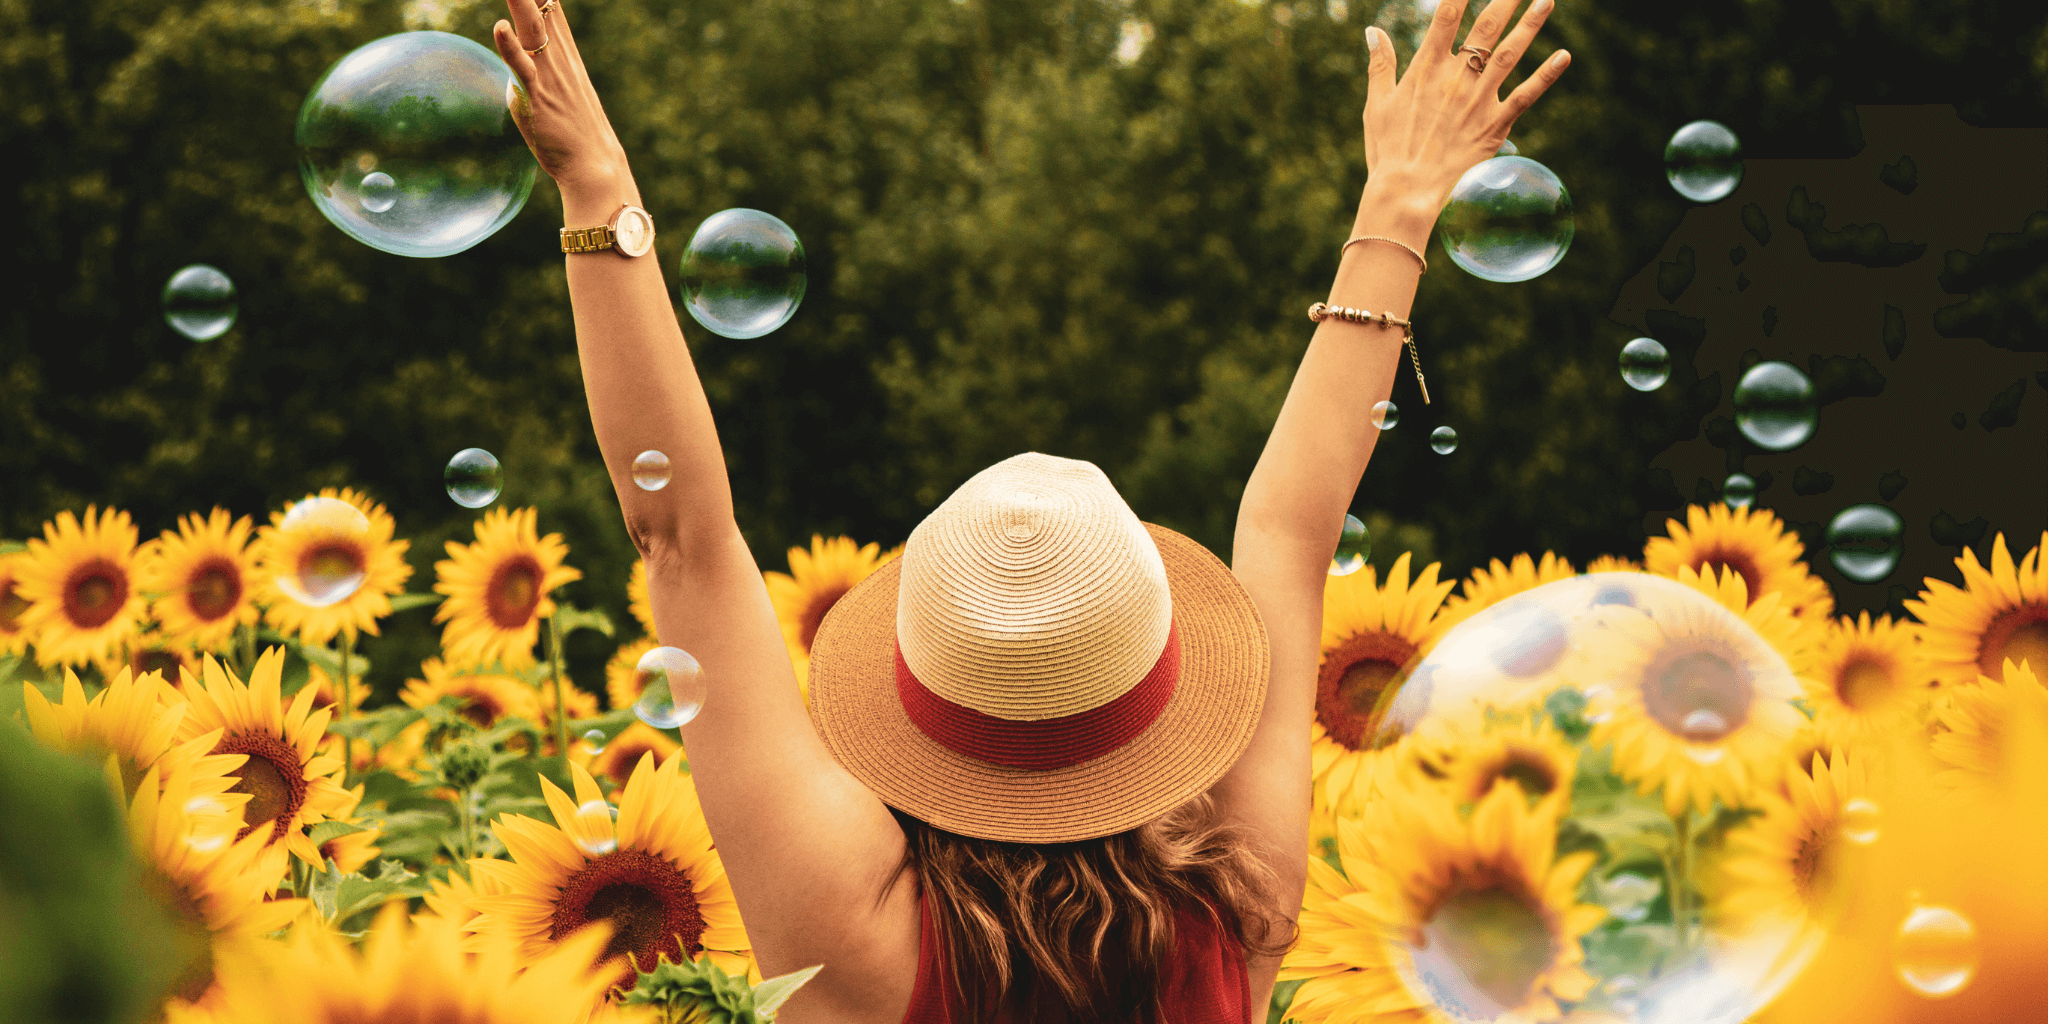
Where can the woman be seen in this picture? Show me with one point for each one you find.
(1057, 764)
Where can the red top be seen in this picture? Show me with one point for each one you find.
(1207, 986)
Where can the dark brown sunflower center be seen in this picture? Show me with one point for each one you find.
(1353, 680)
(213, 589)
(272, 777)
(1530, 770)
(514, 592)
(1484, 951)
(94, 593)
(11, 607)
(194, 945)
(1810, 866)
(482, 710)
(2019, 634)
(157, 661)
(619, 758)
(814, 614)
(1866, 683)
(649, 902)
(1742, 562)
(1698, 695)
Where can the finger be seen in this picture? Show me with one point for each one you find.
(1443, 34)
(515, 57)
(1379, 81)
(527, 24)
(1534, 86)
(1510, 51)
(1486, 29)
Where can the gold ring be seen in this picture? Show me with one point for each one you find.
(1476, 56)
(546, 7)
(535, 52)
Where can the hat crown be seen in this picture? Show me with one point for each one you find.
(1033, 592)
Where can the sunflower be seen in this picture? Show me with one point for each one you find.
(1975, 721)
(816, 580)
(1751, 542)
(1868, 679)
(637, 600)
(1490, 585)
(1612, 563)
(652, 874)
(215, 887)
(151, 652)
(127, 721)
(356, 850)
(1434, 910)
(487, 697)
(1370, 635)
(615, 762)
(1786, 866)
(14, 635)
(379, 558)
(1996, 616)
(1525, 752)
(498, 589)
(200, 580)
(289, 783)
(1693, 698)
(451, 897)
(415, 970)
(622, 673)
(78, 580)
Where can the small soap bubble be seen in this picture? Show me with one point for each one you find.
(332, 562)
(593, 830)
(1774, 406)
(1644, 364)
(408, 144)
(1864, 542)
(1443, 440)
(594, 741)
(1507, 148)
(671, 687)
(1354, 546)
(1508, 219)
(1385, 415)
(1935, 951)
(1703, 161)
(199, 302)
(1860, 821)
(1628, 896)
(743, 273)
(472, 477)
(207, 842)
(650, 470)
(1738, 490)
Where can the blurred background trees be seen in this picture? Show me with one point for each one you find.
(1079, 226)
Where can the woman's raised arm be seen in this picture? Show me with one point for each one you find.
(804, 843)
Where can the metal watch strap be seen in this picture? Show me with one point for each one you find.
(594, 239)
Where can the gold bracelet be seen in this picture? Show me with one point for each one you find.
(1383, 238)
(1324, 311)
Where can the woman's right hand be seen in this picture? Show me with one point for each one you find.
(560, 116)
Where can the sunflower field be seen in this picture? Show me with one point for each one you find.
(208, 822)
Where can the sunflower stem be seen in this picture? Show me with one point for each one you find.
(348, 747)
(561, 706)
(462, 811)
(1681, 904)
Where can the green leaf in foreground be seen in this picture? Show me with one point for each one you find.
(407, 602)
(700, 992)
(340, 896)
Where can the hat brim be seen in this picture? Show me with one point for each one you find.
(1205, 726)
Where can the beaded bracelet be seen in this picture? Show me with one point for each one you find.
(1324, 311)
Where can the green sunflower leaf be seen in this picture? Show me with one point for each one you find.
(569, 618)
(380, 726)
(8, 547)
(771, 994)
(407, 602)
(340, 896)
(321, 833)
(699, 991)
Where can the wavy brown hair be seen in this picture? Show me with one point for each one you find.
(1080, 932)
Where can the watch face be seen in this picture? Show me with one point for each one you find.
(635, 231)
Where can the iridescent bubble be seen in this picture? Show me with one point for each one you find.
(671, 687)
(1644, 364)
(1509, 219)
(199, 302)
(743, 273)
(472, 478)
(594, 741)
(1703, 161)
(1864, 542)
(1507, 148)
(593, 830)
(1935, 951)
(1859, 821)
(1443, 440)
(1354, 546)
(407, 144)
(1738, 490)
(1774, 406)
(650, 470)
(1385, 415)
(332, 535)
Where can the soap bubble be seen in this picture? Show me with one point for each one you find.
(331, 566)
(1644, 364)
(1612, 708)
(1703, 161)
(407, 144)
(1860, 821)
(1509, 219)
(1443, 440)
(1385, 415)
(1863, 542)
(1354, 546)
(1774, 406)
(1738, 490)
(1507, 148)
(472, 477)
(593, 830)
(671, 687)
(199, 302)
(743, 274)
(650, 470)
(1935, 951)
(594, 741)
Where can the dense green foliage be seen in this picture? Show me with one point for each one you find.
(1016, 242)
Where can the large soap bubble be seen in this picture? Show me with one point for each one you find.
(743, 273)
(1584, 799)
(408, 144)
(1703, 161)
(1509, 219)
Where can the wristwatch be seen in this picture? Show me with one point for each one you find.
(631, 232)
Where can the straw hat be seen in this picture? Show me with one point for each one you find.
(1039, 666)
